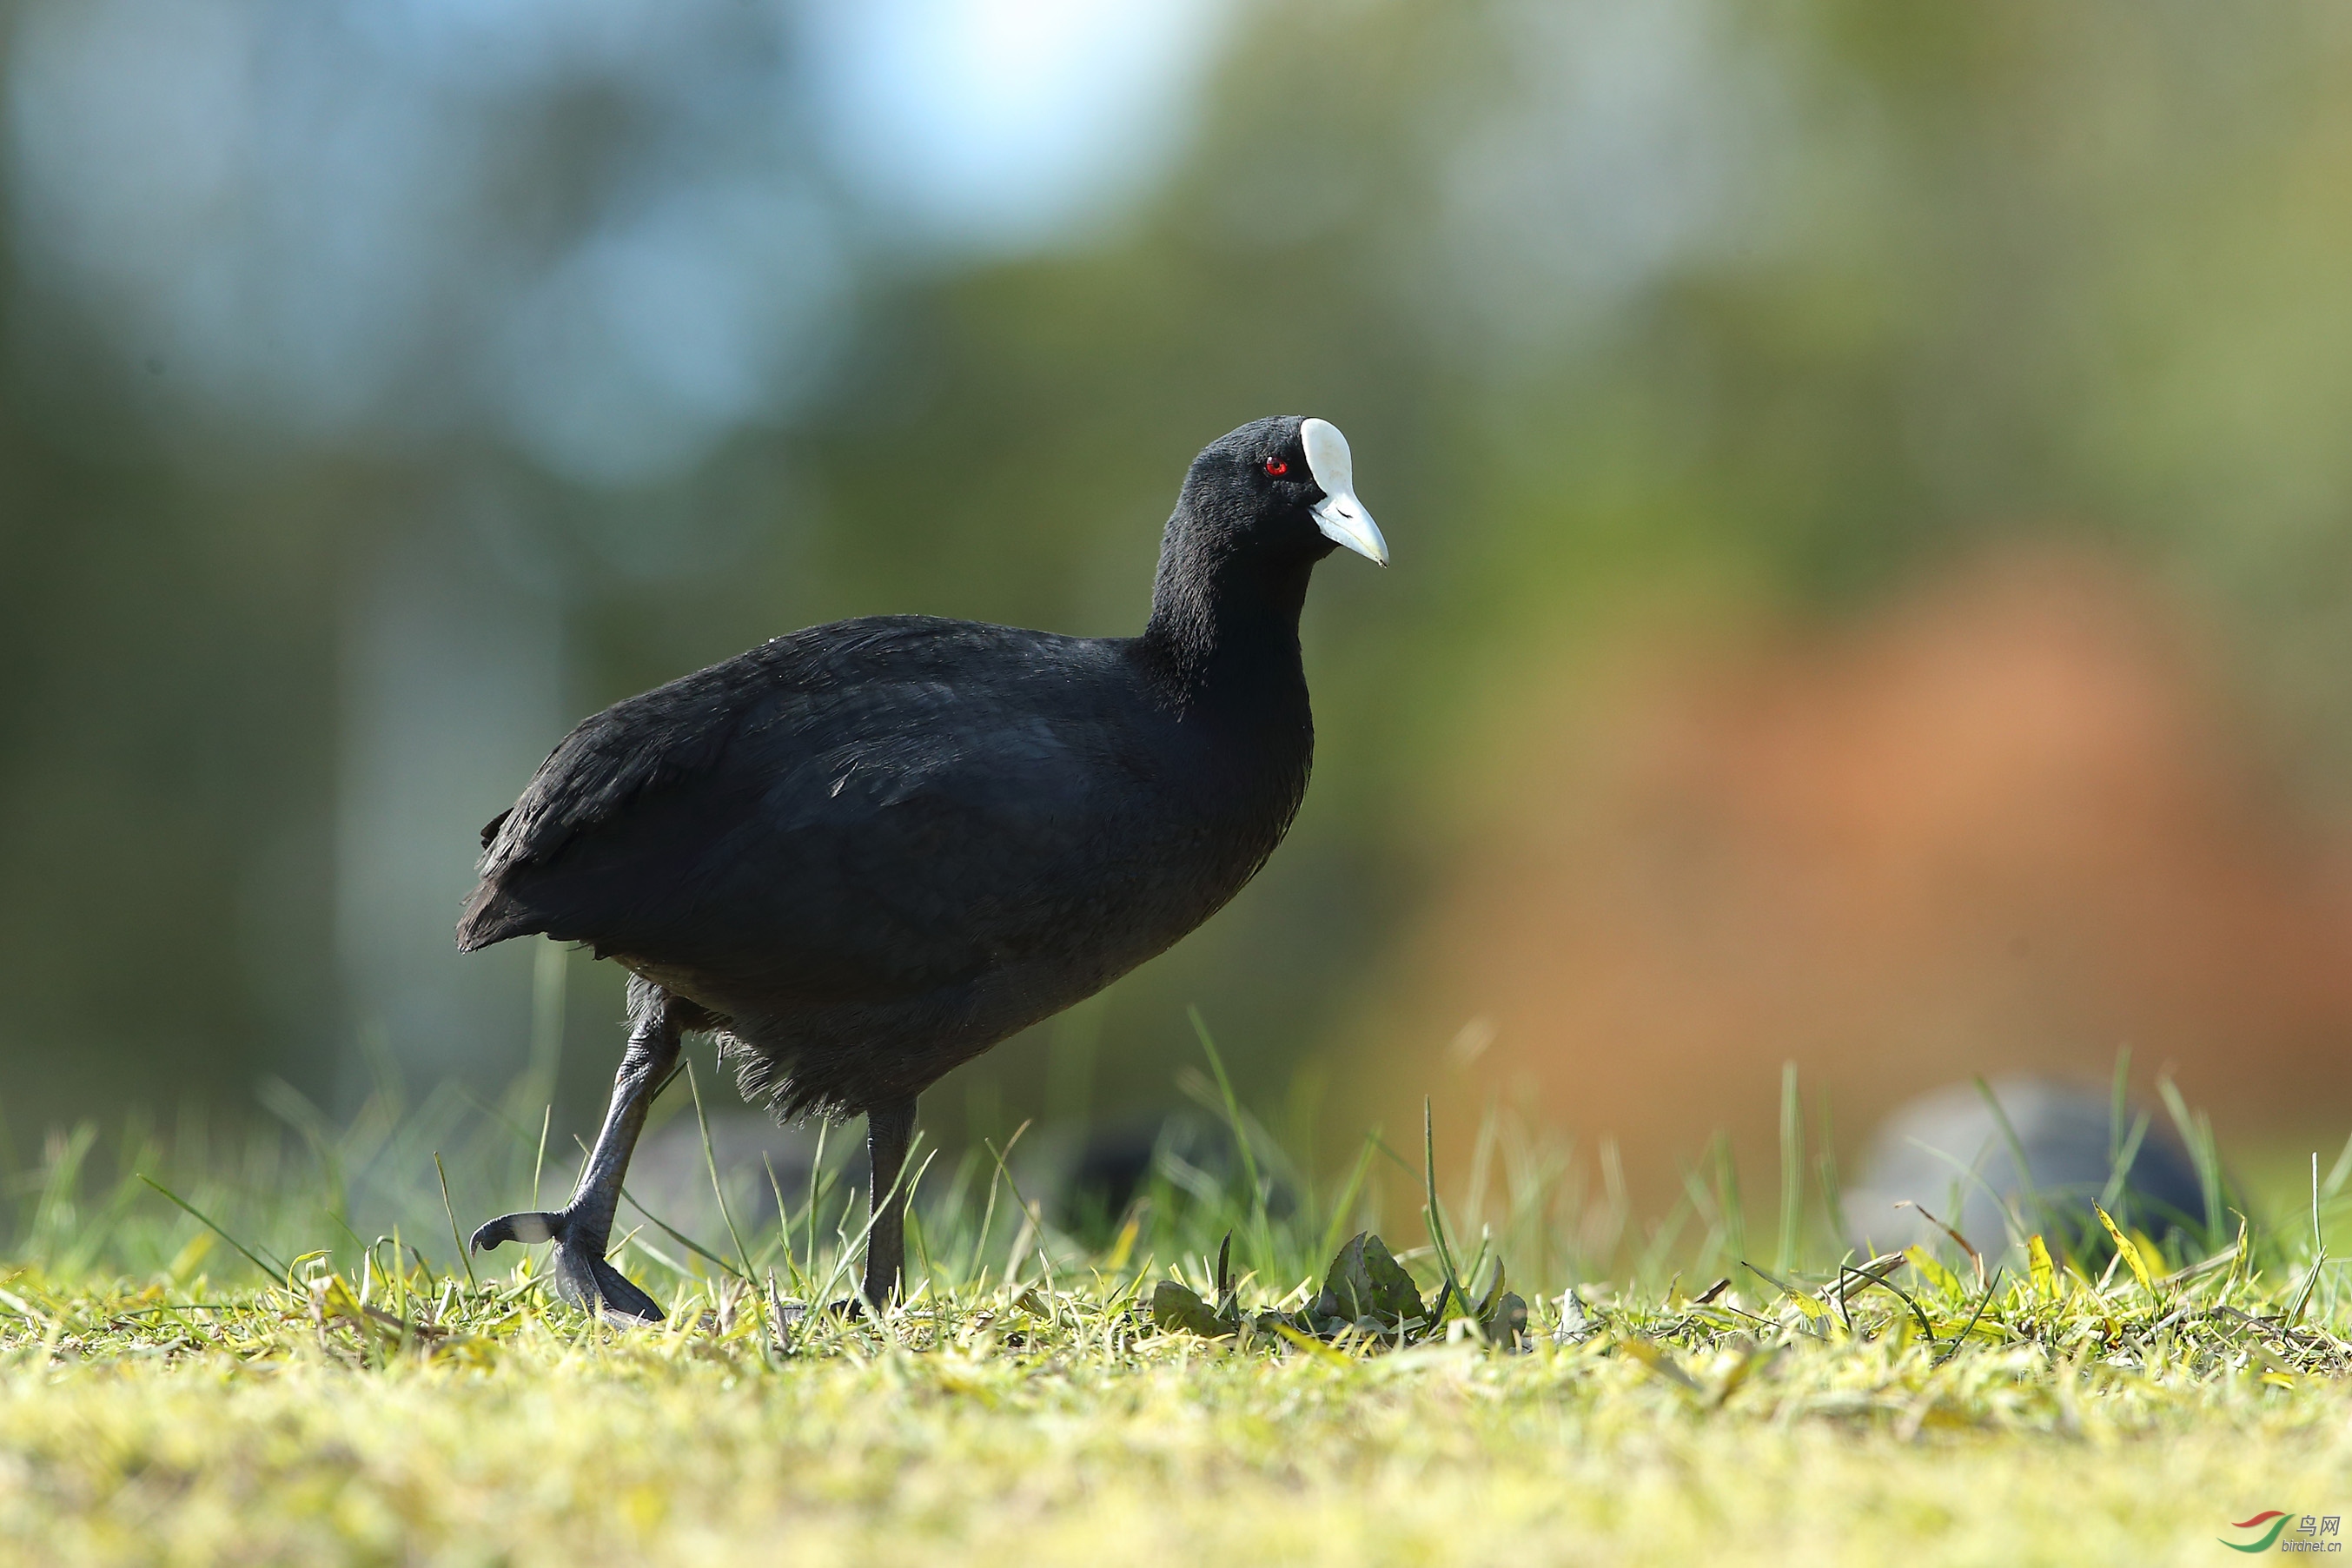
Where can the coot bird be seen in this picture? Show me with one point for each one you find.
(864, 852)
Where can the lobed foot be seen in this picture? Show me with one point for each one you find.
(849, 1310)
(582, 1275)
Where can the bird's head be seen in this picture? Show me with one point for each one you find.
(1282, 487)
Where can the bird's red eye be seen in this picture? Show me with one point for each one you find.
(1276, 466)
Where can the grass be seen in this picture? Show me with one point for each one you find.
(231, 1366)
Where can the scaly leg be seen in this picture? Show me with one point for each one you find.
(583, 1228)
(889, 1130)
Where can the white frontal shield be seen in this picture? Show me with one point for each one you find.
(1339, 513)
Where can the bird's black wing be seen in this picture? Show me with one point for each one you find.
(596, 774)
(882, 803)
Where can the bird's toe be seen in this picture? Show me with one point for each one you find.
(524, 1227)
(582, 1275)
(589, 1282)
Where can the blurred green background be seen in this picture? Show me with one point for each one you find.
(386, 385)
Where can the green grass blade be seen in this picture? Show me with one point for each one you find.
(726, 1214)
(1833, 1188)
(2118, 1107)
(1335, 1230)
(2198, 1140)
(2337, 1173)
(1434, 1215)
(2027, 1194)
(464, 1252)
(1731, 1207)
(1262, 1240)
(278, 1273)
(1792, 1170)
(2114, 1196)
(547, 968)
(538, 1160)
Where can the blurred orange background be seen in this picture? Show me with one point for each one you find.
(2007, 822)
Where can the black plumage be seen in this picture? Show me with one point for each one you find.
(864, 853)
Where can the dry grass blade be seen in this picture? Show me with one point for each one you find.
(1976, 1258)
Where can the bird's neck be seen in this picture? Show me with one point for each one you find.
(1225, 628)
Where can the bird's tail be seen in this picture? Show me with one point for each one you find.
(493, 914)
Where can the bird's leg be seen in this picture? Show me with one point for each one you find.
(583, 1228)
(889, 1130)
